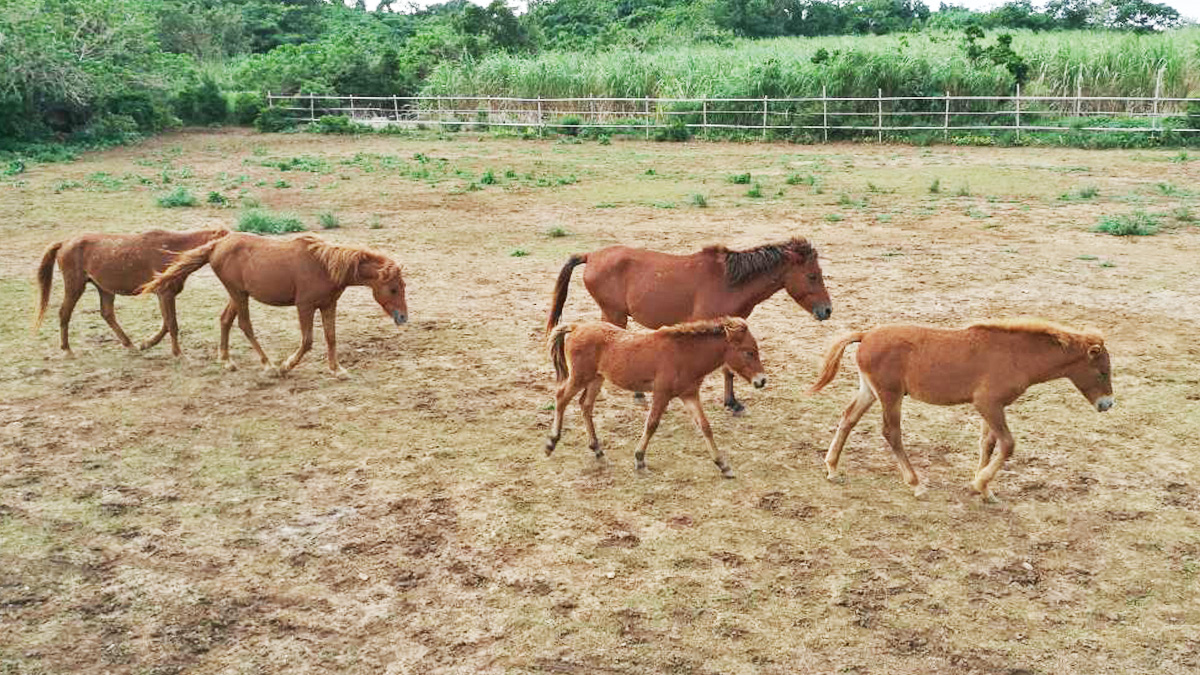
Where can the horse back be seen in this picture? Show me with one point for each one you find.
(934, 365)
(656, 289)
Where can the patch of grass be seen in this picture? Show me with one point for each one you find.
(755, 191)
(1107, 264)
(488, 178)
(978, 214)
(217, 199)
(64, 185)
(1087, 256)
(664, 205)
(964, 191)
(281, 183)
(936, 186)
(834, 217)
(1184, 214)
(1181, 157)
(328, 220)
(1136, 224)
(606, 205)
(105, 181)
(698, 200)
(651, 172)
(374, 222)
(179, 197)
(298, 163)
(1167, 189)
(739, 179)
(557, 231)
(518, 253)
(262, 221)
(13, 167)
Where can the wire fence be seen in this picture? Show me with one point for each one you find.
(817, 117)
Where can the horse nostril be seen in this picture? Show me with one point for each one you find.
(823, 313)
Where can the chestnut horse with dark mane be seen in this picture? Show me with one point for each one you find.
(116, 264)
(305, 272)
(659, 289)
(987, 364)
(670, 363)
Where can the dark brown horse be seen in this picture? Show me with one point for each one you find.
(988, 364)
(670, 363)
(116, 264)
(304, 271)
(659, 289)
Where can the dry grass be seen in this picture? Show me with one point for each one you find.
(162, 516)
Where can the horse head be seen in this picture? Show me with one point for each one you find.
(1092, 374)
(741, 351)
(803, 279)
(386, 280)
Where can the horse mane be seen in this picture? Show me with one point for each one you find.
(342, 261)
(1064, 336)
(741, 266)
(703, 327)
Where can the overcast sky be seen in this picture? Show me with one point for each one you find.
(1188, 8)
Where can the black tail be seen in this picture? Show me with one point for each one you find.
(560, 288)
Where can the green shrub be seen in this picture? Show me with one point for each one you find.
(571, 125)
(217, 199)
(488, 178)
(202, 103)
(1136, 224)
(247, 106)
(676, 132)
(328, 220)
(557, 231)
(518, 253)
(936, 186)
(274, 120)
(739, 179)
(699, 200)
(178, 197)
(337, 124)
(755, 191)
(261, 221)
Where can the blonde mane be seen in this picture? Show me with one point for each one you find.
(704, 327)
(342, 261)
(1061, 334)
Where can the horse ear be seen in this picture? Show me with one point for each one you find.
(733, 327)
(1095, 350)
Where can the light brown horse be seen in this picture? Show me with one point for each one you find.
(988, 364)
(670, 363)
(659, 289)
(305, 272)
(116, 264)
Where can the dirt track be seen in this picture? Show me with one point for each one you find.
(162, 516)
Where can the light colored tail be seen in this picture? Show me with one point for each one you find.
(833, 358)
(560, 289)
(558, 354)
(183, 265)
(45, 276)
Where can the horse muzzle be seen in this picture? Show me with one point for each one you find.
(759, 381)
(398, 317)
(822, 312)
(1104, 403)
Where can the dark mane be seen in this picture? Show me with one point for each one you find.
(742, 266)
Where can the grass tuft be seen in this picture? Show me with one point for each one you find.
(1136, 224)
(261, 221)
(179, 197)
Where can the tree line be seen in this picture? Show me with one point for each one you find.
(97, 69)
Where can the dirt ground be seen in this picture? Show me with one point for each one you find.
(164, 516)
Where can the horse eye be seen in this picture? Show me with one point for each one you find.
(812, 277)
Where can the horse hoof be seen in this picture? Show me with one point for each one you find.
(736, 408)
(920, 490)
(272, 371)
(835, 477)
(550, 445)
(68, 354)
(641, 466)
(230, 366)
(143, 346)
(727, 473)
(342, 374)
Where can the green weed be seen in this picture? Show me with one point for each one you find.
(698, 200)
(328, 220)
(179, 197)
(1136, 224)
(739, 179)
(261, 221)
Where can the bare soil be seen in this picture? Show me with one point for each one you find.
(164, 516)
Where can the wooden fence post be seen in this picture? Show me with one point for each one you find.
(764, 123)
(879, 126)
(1156, 125)
(540, 120)
(825, 113)
(946, 120)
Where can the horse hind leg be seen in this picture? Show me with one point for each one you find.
(242, 305)
(74, 288)
(306, 337)
(850, 417)
(987, 444)
(228, 315)
(109, 312)
(891, 432)
(562, 398)
(587, 403)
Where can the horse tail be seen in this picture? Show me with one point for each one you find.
(558, 354)
(45, 276)
(184, 264)
(560, 288)
(833, 359)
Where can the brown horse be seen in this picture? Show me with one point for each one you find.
(659, 289)
(304, 272)
(116, 264)
(988, 364)
(670, 363)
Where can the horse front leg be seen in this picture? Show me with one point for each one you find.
(691, 401)
(657, 406)
(735, 406)
(162, 331)
(329, 325)
(993, 416)
(306, 338)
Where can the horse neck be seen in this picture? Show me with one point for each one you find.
(704, 353)
(194, 239)
(1051, 360)
(748, 294)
